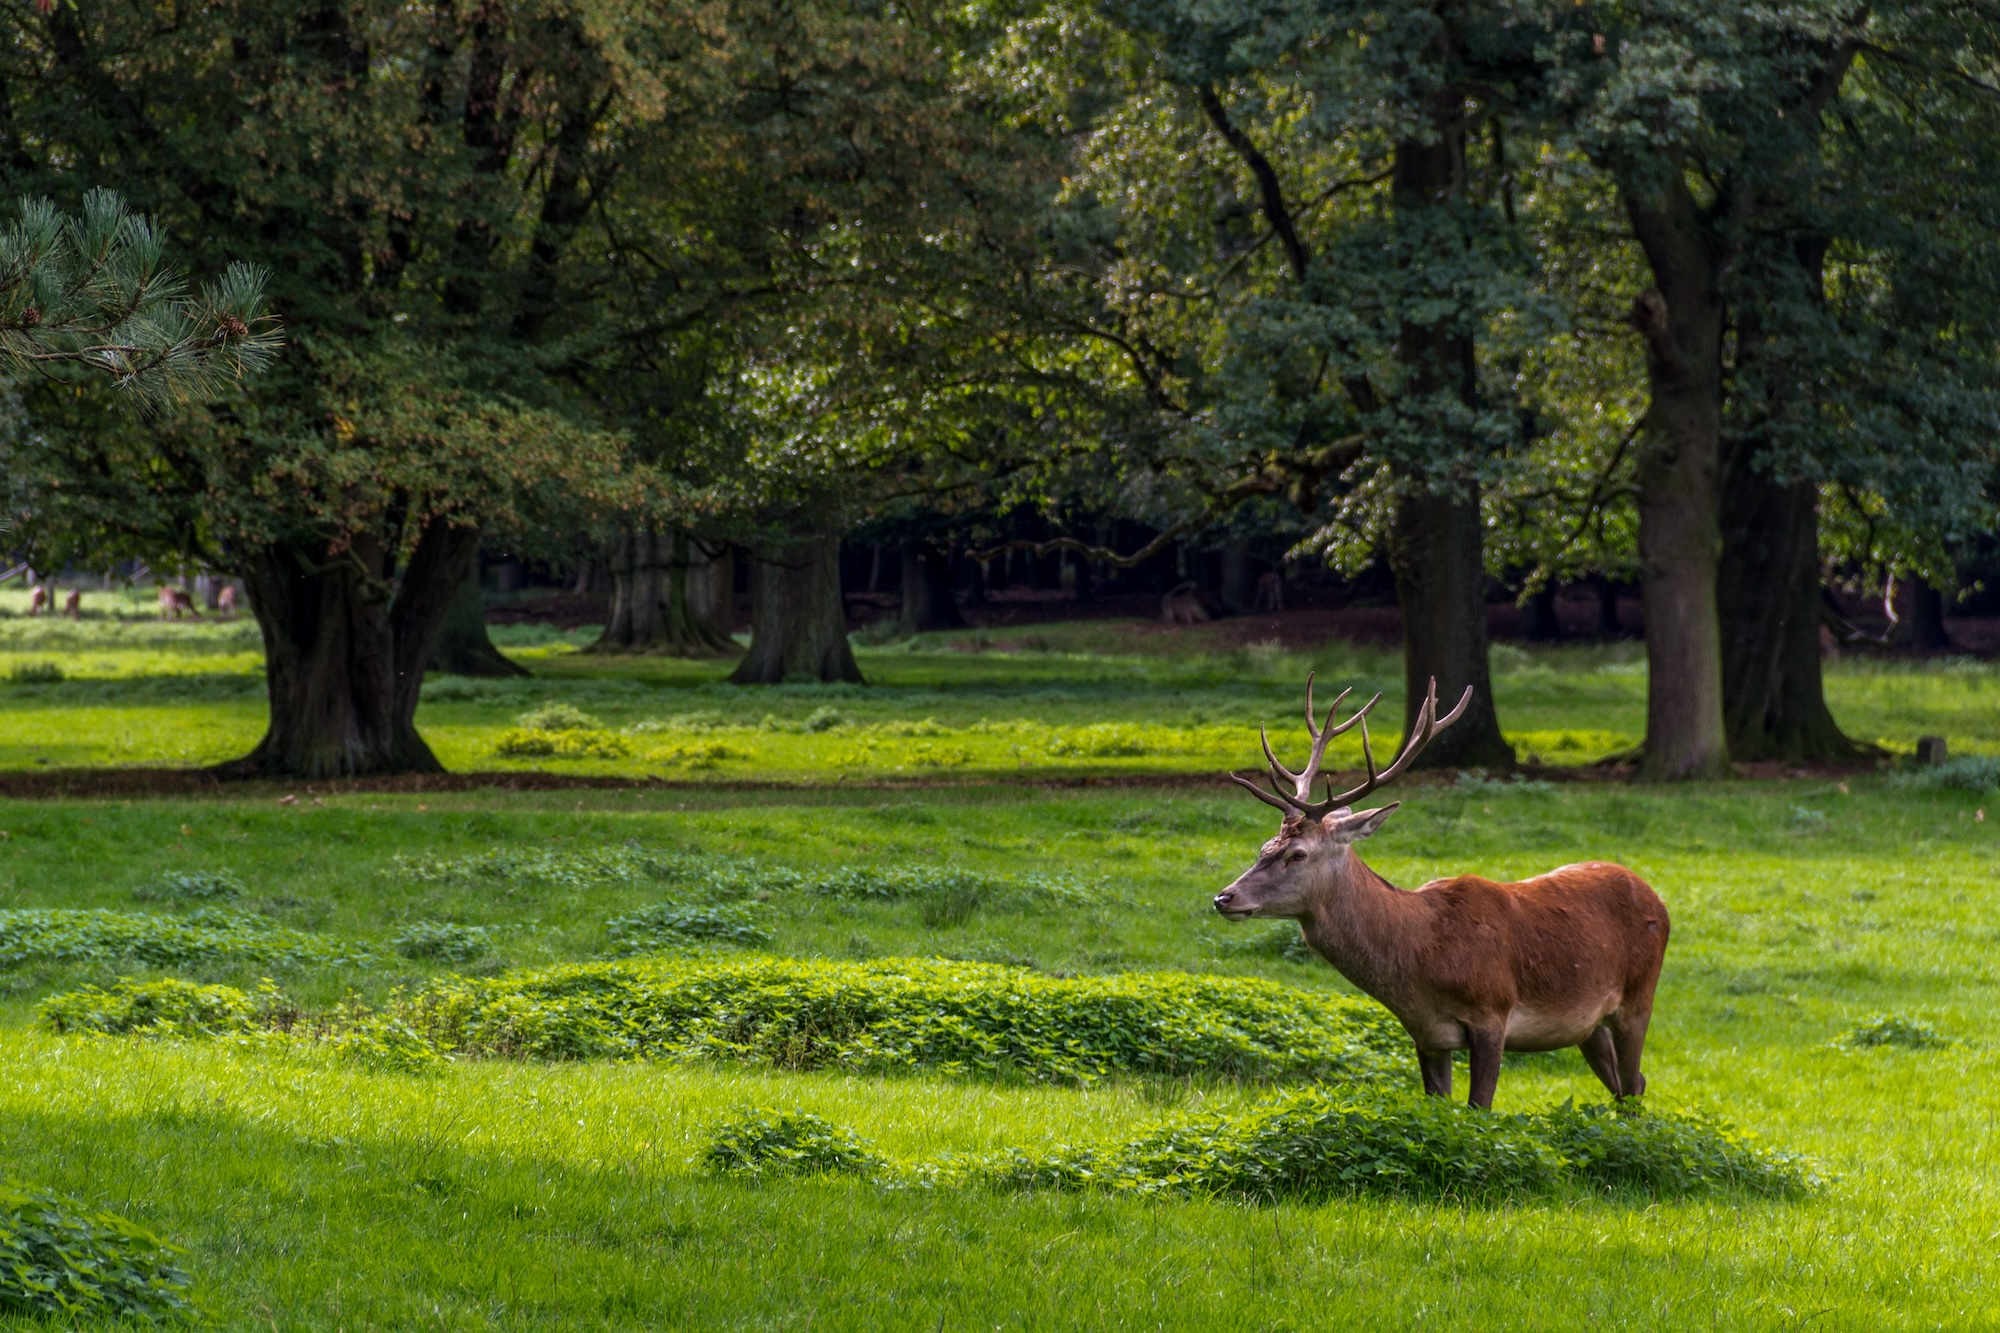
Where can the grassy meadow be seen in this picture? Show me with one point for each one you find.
(316, 1192)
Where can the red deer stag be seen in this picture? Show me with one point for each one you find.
(1569, 958)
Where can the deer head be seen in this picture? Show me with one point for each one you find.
(1317, 834)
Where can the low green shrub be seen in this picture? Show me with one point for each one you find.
(700, 754)
(1979, 773)
(382, 1041)
(169, 1007)
(64, 1258)
(897, 1015)
(443, 942)
(1892, 1030)
(1321, 1143)
(891, 1015)
(206, 935)
(1314, 1144)
(35, 673)
(669, 925)
(526, 742)
(1613, 1148)
(555, 715)
(760, 1141)
(192, 886)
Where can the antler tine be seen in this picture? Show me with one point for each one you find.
(1312, 712)
(1279, 773)
(1428, 725)
(1268, 798)
(1359, 713)
(1464, 702)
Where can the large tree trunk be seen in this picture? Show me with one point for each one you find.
(664, 596)
(1436, 547)
(927, 599)
(798, 624)
(1680, 538)
(1768, 605)
(1539, 621)
(1922, 626)
(463, 646)
(1441, 587)
(344, 653)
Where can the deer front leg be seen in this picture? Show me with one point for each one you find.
(1436, 1069)
(1487, 1041)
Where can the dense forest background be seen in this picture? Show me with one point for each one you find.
(732, 316)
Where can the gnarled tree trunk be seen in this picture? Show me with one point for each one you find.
(1768, 605)
(463, 646)
(345, 646)
(798, 623)
(665, 592)
(927, 599)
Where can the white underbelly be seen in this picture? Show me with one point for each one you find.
(1532, 1029)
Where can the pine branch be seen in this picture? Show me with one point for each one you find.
(90, 292)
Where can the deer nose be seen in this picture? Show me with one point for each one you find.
(1226, 897)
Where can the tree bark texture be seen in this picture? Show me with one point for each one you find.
(1441, 588)
(463, 646)
(345, 647)
(1437, 543)
(668, 595)
(927, 599)
(1768, 606)
(798, 623)
(1681, 319)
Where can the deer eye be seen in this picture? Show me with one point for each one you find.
(1295, 858)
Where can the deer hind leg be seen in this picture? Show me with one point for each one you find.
(1600, 1052)
(1436, 1069)
(1487, 1043)
(1628, 1035)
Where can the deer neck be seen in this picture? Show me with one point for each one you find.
(1362, 924)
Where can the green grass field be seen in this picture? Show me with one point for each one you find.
(317, 1193)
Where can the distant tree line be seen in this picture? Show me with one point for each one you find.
(1693, 295)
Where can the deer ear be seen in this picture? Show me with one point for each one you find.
(1353, 826)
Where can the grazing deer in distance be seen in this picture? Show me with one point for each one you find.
(175, 603)
(38, 599)
(225, 602)
(73, 604)
(1569, 958)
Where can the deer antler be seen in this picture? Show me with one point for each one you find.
(1428, 725)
